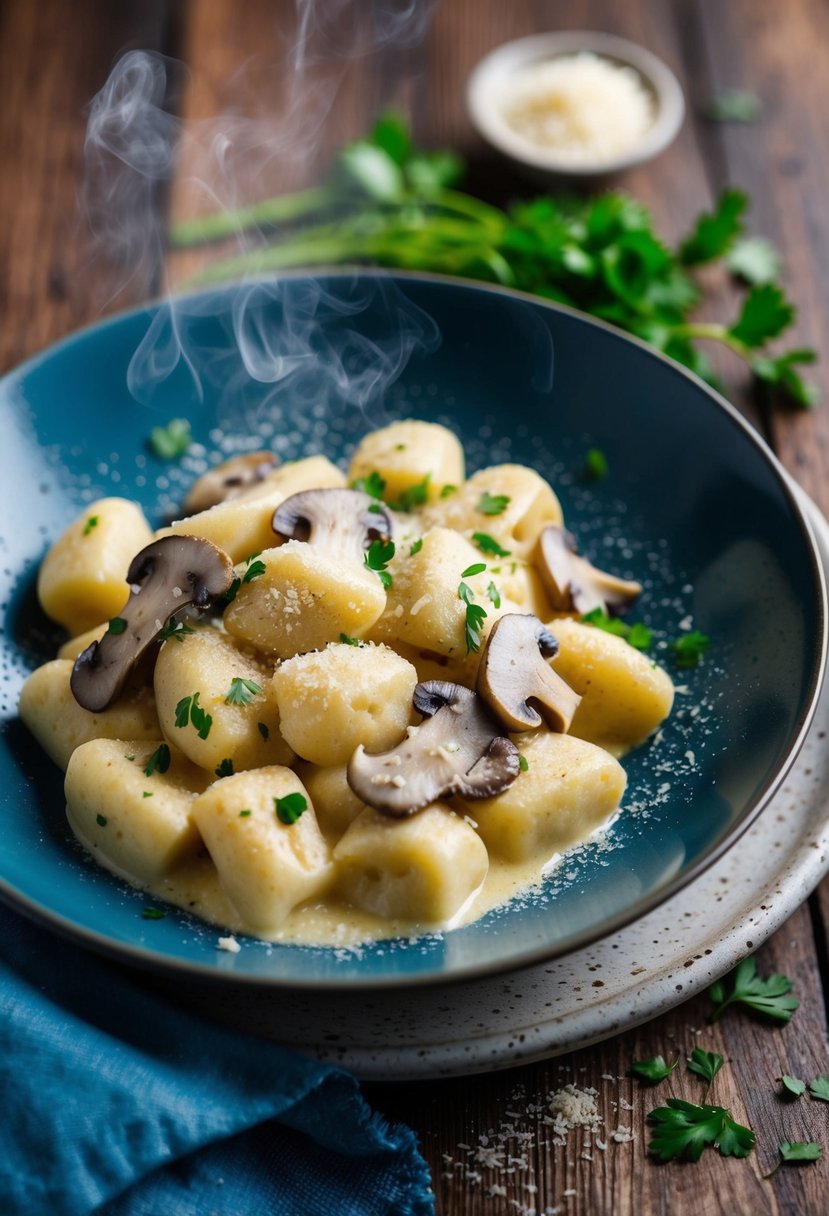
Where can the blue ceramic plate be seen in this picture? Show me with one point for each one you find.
(693, 506)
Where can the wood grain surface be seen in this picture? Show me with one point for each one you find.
(54, 56)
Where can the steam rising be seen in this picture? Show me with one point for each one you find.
(295, 333)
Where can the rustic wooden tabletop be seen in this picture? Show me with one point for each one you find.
(54, 55)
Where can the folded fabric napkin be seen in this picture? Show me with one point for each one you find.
(114, 1101)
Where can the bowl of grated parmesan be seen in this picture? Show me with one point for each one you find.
(575, 104)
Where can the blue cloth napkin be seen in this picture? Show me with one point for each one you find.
(115, 1102)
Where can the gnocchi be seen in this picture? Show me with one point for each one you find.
(379, 709)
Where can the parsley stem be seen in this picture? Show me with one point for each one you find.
(713, 332)
(261, 215)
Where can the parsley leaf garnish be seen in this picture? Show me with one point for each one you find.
(494, 595)
(116, 625)
(91, 523)
(488, 544)
(779, 371)
(377, 557)
(255, 570)
(795, 1151)
(689, 648)
(372, 484)
(347, 641)
(819, 1088)
(475, 568)
(682, 1130)
(492, 504)
(475, 616)
(636, 635)
(447, 490)
(290, 807)
(188, 710)
(706, 1064)
(224, 768)
(416, 546)
(523, 763)
(734, 105)
(793, 1085)
(171, 440)
(159, 761)
(766, 313)
(174, 631)
(596, 467)
(414, 496)
(652, 1071)
(241, 691)
(715, 233)
(766, 996)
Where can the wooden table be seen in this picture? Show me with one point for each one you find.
(55, 55)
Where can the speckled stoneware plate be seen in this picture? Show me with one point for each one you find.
(621, 981)
(694, 506)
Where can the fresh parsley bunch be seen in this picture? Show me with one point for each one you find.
(391, 204)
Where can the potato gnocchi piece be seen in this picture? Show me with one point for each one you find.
(336, 804)
(245, 728)
(305, 599)
(136, 825)
(424, 868)
(515, 524)
(59, 723)
(569, 788)
(83, 578)
(266, 867)
(242, 526)
(624, 695)
(409, 454)
(423, 607)
(334, 699)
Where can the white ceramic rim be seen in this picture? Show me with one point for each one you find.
(485, 83)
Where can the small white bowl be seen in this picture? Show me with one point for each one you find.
(489, 88)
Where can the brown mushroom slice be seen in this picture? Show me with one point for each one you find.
(459, 748)
(517, 682)
(165, 577)
(228, 480)
(574, 584)
(343, 522)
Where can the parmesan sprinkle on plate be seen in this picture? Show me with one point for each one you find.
(582, 108)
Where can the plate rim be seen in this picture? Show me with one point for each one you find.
(158, 961)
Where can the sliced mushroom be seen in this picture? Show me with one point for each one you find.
(458, 749)
(339, 521)
(228, 480)
(517, 682)
(164, 577)
(574, 584)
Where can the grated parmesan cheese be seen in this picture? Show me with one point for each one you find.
(584, 108)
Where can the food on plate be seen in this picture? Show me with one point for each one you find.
(327, 709)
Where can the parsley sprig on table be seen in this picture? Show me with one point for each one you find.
(766, 996)
(683, 1130)
(391, 204)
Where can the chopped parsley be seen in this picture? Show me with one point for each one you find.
(413, 496)
(447, 490)
(417, 545)
(682, 1130)
(159, 761)
(171, 440)
(254, 570)
(91, 523)
(290, 807)
(147, 794)
(224, 768)
(765, 996)
(153, 914)
(523, 762)
(488, 544)
(689, 649)
(475, 616)
(492, 504)
(241, 692)
(596, 467)
(101, 821)
(494, 595)
(636, 635)
(174, 631)
(475, 568)
(377, 557)
(189, 711)
(347, 641)
(652, 1071)
(373, 484)
(116, 625)
(244, 814)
